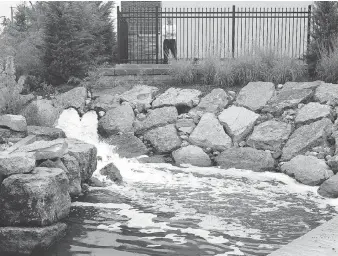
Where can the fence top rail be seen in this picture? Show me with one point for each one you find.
(214, 12)
(219, 16)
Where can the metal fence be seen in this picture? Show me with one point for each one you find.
(203, 32)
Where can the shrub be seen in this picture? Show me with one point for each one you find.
(324, 30)
(183, 71)
(327, 67)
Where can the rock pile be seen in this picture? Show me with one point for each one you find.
(38, 176)
(265, 128)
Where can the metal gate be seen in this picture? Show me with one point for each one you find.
(205, 32)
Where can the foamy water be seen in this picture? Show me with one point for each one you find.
(191, 210)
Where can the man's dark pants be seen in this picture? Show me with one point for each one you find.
(169, 44)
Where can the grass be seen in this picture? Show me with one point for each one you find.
(263, 65)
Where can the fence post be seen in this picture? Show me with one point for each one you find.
(156, 29)
(233, 30)
(309, 27)
(118, 35)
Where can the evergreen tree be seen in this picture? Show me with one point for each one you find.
(324, 32)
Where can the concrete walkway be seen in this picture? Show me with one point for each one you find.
(321, 241)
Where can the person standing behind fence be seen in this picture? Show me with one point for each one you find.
(169, 42)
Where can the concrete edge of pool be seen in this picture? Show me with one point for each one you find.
(321, 241)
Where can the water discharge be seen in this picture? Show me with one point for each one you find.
(167, 210)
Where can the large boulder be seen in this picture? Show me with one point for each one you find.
(46, 149)
(311, 112)
(177, 97)
(329, 188)
(191, 155)
(269, 135)
(16, 163)
(41, 113)
(306, 137)
(286, 99)
(127, 145)
(155, 118)
(164, 139)
(29, 240)
(85, 155)
(238, 122)
(140, 96)
(112, 173)
(214, 102)
(209, 133)
(8, 134)
(14, 122)
(37, 199)
(246, 158)
(116, 120)
(45, 133)
(255, 95)
(105, 102)
(308, 170)
(75, 98)
(327, 93)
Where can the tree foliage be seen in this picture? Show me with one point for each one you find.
(323, 34)
(59, 40)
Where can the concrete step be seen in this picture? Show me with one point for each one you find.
(321, 241)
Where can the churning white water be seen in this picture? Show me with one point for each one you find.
(167, 210)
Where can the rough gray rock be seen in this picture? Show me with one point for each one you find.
(16, 163)
(255, 95)
(246, 158)
(73, 173)
(140, 96)
(287, 99)
(308, 170)
(327, 93)
(306, 137)
(311, 112)
(155, 118)
(112, 173)
(209, 133)
(127, 145)
(329, 188)
(41, 113)
(37, 199)
(14, 122)
(119, 119)
(214, 102)
(191, 155)
(46, 133)
(105, 102)
(269, 135)
(29, 240)
(333, 163)
(301, 85)
(177, 97)
(238, 122)
(164, 139)
(86, 156)
(46, 149)
(185, 125)
(75, 98)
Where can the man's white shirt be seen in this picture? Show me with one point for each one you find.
(169, 31)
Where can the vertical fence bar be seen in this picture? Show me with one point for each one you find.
(118, 35)
(233, 30)
(156, 31)
(308, 27)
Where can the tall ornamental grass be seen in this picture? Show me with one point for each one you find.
(263, 65)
